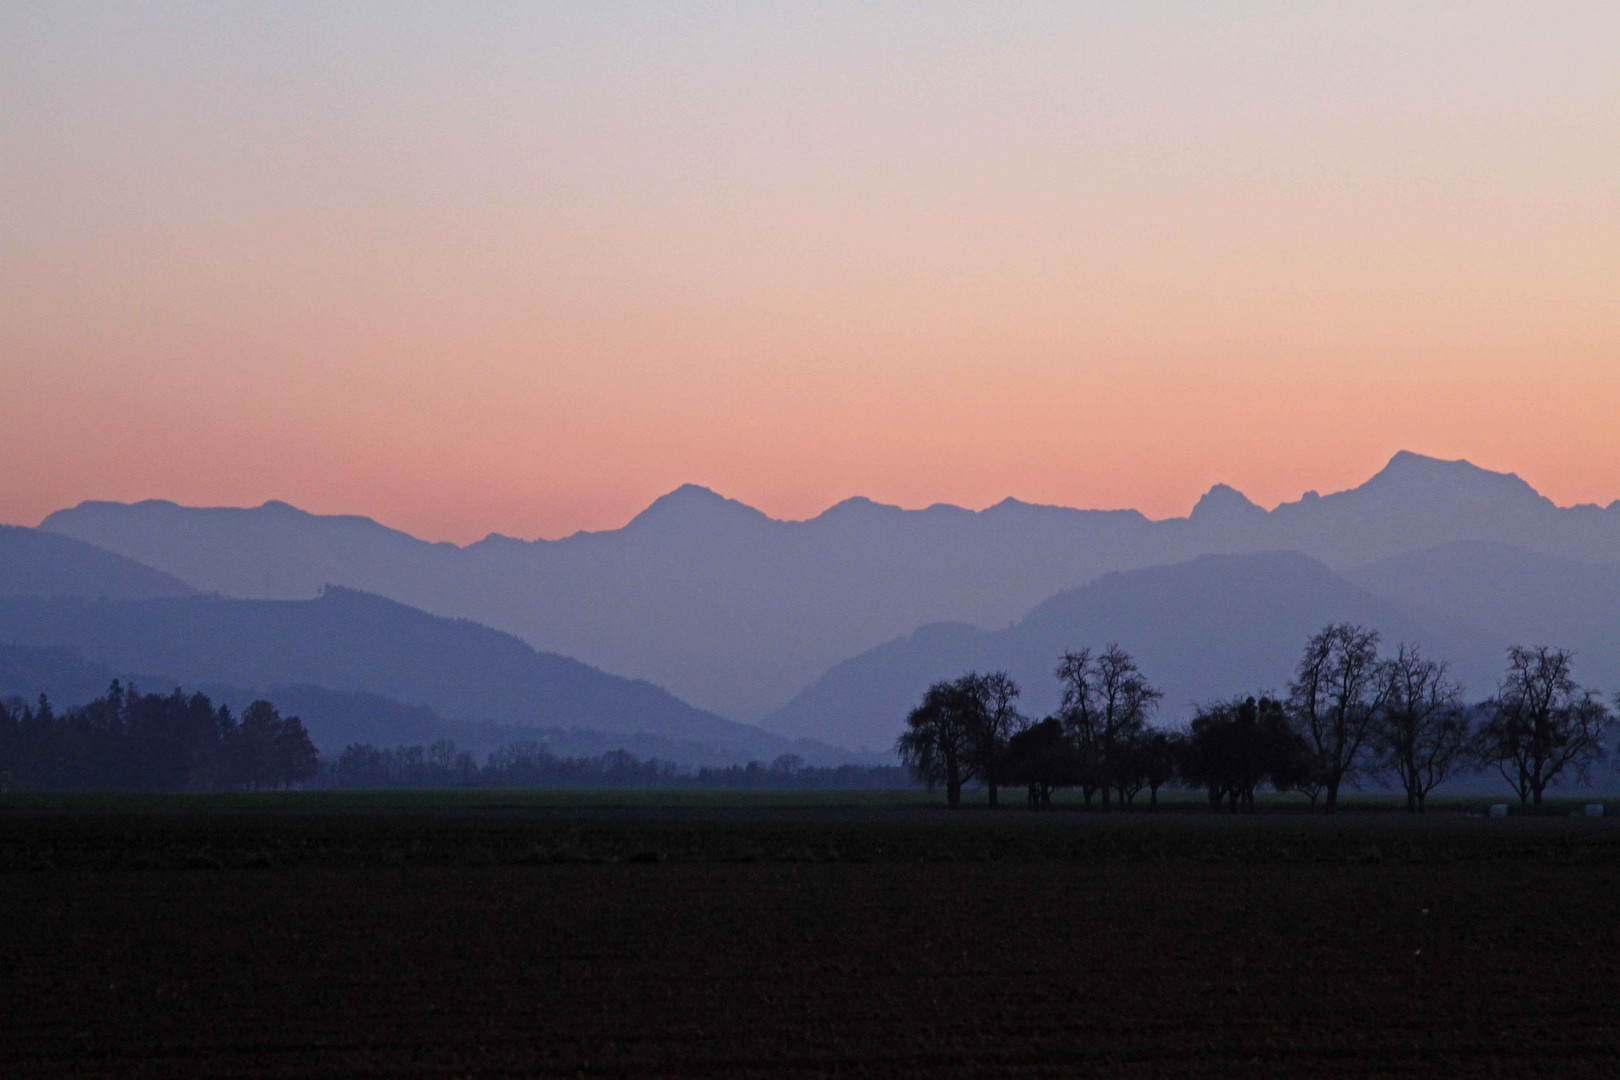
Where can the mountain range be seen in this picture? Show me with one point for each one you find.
(1202, 630)
(738, 613)
(363, 667)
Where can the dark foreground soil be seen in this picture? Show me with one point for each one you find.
(186, 947)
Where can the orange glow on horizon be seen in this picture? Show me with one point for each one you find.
(523, 271)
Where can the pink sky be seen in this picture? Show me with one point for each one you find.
(525, 269)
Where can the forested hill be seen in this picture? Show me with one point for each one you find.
(336, 719)
(352, 642)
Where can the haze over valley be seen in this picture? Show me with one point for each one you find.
(705, 631)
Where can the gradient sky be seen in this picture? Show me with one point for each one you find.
(522, 268)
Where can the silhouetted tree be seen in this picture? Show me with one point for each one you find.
(254, 747)
(1157, 756)
(1233, 747)
(787, 765)
(126, 740)
(1421, 733)
(296, 757)
(937, 745)
(442, 753)
(1542, 722)
(270, 750)
(1106, 703)
(1128, 771)
(1335, 697)
(993, 721)
(1041, 758)
(361, 765)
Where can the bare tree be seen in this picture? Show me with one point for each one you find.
(1106, 703)
(441, 753)
(993, 721)
(937, 745)
(1542, 722)
(1421, 733)
(1334, 699)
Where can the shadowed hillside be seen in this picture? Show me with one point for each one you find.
(351, 642)
(337, 718)
(1509, 595)
(34, 562)
(1206, 629)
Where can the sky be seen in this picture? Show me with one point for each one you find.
(522, 268)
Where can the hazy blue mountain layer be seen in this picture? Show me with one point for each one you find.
(336, 718)
(737, 612)
(34, 562)
(1505, 595)
(353, 643)
(1202, 630)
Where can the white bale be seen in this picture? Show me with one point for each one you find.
(1499, 809)
(1594, 809)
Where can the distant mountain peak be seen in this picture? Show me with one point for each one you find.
(694, 504)
(1224, 502)
(855, 506)
(1404, 459)
(1407, 465)
(1408, 471)
(497, 539)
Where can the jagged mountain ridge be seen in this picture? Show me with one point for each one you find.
(737, 611)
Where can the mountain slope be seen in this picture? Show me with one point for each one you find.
(35, 562)
(1509, 595)
(352, 642)
(1210, 628)
(337, 718)
(332, 718)
(736, 611)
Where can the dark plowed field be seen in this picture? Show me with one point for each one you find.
(183, 946)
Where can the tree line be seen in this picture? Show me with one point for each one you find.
(1349, 714)
(130, 741)
(531, 764)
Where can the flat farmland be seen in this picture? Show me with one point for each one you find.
(632, 938)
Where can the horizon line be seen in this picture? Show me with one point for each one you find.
(1309, 495)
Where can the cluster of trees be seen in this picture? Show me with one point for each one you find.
(1350, 715)
(530, 764)
(790, 771)
(521, 764)
(152, 742)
